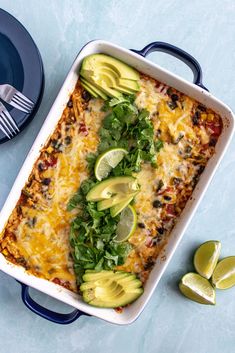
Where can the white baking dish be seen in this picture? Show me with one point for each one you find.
(136, 60)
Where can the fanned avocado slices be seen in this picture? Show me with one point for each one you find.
(109, 76)
(110, 289)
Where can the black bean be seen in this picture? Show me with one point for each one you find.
(201, 169)
(212, 142)
(67, 140)
(149, 264)
(70, 104)
(172, 105)
(174, 97)
(161, 230)
(169, 91)
(46, 181)
(177, 181)
(141, 225)
(201, 107)
(159, 131)
(41, 167)
(86, 96)
(160, 185)
(167, 198)
(188, 149)
(157, 204)
(196, 118)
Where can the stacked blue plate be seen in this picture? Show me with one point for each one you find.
(20, 66)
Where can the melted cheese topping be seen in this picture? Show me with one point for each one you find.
(37, 233)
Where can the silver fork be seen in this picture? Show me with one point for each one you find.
(15, 98)
(7, 123)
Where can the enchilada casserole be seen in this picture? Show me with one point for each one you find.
(42, 233)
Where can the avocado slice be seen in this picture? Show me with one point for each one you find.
(92, 62)
(110, 289)
(113, 80)
(95, 276)
(111, 186)
(121, 197)
(133, 85)
(94, 89)
(88, 89)
(104, 72)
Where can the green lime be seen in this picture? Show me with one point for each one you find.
(206, 257)
(127, 224)
(224, 274)
(197, 288)
(107, 161)
(116, 209)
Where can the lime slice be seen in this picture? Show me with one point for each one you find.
(206, 257)
(127, 224)
(116, 209)
(224, 273)
(112, 186)
(108, 160)
(197, 288)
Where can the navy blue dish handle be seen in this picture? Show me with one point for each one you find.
(47, 314)
(177, 53)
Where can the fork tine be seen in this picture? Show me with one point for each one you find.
(3, 130)
(26, 99)
(7, 125)
(22, 102)
(9, 117)
(19, 106)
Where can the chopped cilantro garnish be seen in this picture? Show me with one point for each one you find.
(92, 231)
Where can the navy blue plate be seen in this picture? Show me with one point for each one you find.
(20, 66)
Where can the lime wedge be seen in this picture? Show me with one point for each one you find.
(197, 288)
(112, 186)
(108, 160)
(224, 273)
(127, 224)
(206, 257)
(116, 209)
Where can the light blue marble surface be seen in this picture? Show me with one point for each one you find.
(170, 323)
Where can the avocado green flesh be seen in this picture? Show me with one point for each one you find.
(109, 75)
(117, 208)
(110, 289)
(111, 79)
(124, 70)
(111, 186)
(92, 88)
(88, 89)
(91, 277)
(124, 299)
(115, 200)
(116, 81)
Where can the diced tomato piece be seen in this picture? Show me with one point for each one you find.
(214, 128)
(149, 242)
(170, 210)
(83, 129)
(64, 284)
(51, 162)
(168, 189)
